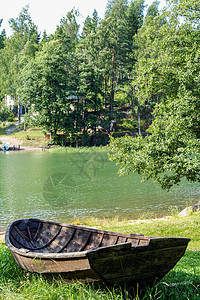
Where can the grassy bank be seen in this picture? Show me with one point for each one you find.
(187, 226)
(79, 149)
(30, 138)
(180, 283)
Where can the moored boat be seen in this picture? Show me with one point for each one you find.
(92, 255)
(5, 146)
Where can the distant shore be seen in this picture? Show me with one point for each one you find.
(17, 142)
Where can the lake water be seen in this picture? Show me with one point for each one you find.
(65, 186)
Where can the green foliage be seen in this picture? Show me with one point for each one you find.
(6, 115)
(153, 9)
(114, 45)
(44, 82)
(2, 36)
(67, 32)
(167, 68)
(98, 65)
(90, 24)
(17, 51)
(130, 125)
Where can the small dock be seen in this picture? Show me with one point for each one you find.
(13, 148)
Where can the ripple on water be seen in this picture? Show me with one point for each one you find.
(64, 186)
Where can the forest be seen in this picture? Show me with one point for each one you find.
(78, 82)
(136, 69)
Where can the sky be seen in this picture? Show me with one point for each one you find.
(46, 14)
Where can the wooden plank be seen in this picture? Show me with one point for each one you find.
(86, 242)
(121, 239)
(84, 276)
(62, 239)
(80, 241)
(18, 237)
(37, 231)
(108, 240)
(47, 234)
(109, 251)
(142, 242)
(95, 240)
(65, 246)
(30, 236)
(160, 243)
(134, 264)
(52, 265)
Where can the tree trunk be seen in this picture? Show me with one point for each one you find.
(112, 84)
(50, 138)
(83, 114)
(104, 89)
(139, 130)
(19, 115)
(24, 120)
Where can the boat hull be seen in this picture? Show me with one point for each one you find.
(92, 255)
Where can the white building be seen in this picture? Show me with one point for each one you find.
(9, 102)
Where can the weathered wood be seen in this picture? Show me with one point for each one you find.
(127, 262)
(90, 254)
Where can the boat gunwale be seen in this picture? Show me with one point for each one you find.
(131, 235)
(81, 254)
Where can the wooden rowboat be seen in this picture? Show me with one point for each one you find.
(91, 255)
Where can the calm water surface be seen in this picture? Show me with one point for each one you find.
(64, 186)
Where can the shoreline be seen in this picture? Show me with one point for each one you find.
(24, 149)
(173, 225)
(17, 143)
(19, 146)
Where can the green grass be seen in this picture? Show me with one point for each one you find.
(32, 133)
(80, 149)
(183, 282)
(3, 128)
(188, 226)
(32, 137)
(2, 131)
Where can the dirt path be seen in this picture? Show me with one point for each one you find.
(9, 130)
(12, 141)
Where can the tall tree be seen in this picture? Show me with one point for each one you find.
(90, 76)
(90, 24)
(2, 36)
(171, 70)
(24, 29)
(117, 30)
(2, 44)
(45, 83)
(67, 32)
(153, 9)
(17, 51)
